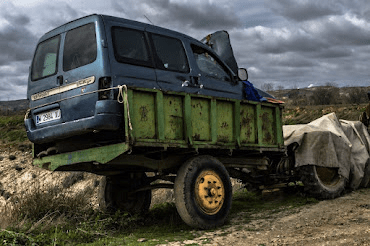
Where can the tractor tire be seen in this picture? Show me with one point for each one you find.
(203, 192)
(116, 194)
(322, 182)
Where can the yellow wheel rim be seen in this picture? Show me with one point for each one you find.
(209, 192)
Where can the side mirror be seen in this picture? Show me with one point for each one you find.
(243, 74)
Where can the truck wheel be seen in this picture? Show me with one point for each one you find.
(322, 182)
(115, 194)
(203, 192)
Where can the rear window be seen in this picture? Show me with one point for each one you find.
(130, 46)
(45, 62)
(80, 47)
(170, 54)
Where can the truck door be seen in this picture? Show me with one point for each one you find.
(214, 76)
(43, 81)
(82, 65)
(171, 62)
(130, 57)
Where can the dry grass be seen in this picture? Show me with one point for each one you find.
(41, 210)
(304, 114)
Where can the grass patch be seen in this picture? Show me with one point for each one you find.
(12, 131)
(55, 218)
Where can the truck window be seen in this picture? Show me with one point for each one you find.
(45, 60)
(80, 47)
(130, 46)
(170, 54)
(209, 65)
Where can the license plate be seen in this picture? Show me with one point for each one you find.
(48, 116)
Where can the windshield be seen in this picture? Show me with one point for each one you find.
(45, 60)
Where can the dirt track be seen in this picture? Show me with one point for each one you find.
(343, 221)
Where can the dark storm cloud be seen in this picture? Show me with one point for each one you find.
(16, 41)
(333, 52)
(204, 15)
(343, 30)
(302, 10)
(12, 88)
(199, 16)
(296, 42)
(293, 60)
(61, 13)
(314, 42)
(292, 42)
(15, 19)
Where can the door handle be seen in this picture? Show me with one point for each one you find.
(60, 80)
(195, 81)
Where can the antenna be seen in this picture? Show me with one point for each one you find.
(148, 19)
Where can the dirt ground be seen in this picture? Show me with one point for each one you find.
(342, 221)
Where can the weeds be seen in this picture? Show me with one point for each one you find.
(53, 217)
(12, 131)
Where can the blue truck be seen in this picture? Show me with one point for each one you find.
(120, 98)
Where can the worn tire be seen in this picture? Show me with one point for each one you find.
(115, 196)
(203, 192)
(321, 182)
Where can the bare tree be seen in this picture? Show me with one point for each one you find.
(268, 87)
(280, 87)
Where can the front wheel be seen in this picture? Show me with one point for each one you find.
(322, 182)
(203, 192)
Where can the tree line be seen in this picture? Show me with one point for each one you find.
(324, 95)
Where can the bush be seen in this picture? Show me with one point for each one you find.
(48, 207)
(325, 95)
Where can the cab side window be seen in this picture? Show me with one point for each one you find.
(170, 54)
(209, 65)
(130, 46)
(45, 62)
(80, 47)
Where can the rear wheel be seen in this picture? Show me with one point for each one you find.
(118, 193)
(322, 182)
(203, 192)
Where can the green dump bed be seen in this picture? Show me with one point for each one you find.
(154, 118)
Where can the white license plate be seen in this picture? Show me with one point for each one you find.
(48, 116)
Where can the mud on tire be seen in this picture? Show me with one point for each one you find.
(203, 192)
(321, 182)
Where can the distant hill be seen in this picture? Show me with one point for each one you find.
(323, 95)
(13, 107)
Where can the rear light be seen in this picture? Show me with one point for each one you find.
(105, 83)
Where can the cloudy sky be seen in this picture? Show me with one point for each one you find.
(289, 43)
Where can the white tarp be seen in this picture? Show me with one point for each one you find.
(329, 142)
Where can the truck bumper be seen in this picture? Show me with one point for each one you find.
(108, 116)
